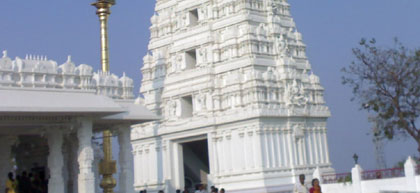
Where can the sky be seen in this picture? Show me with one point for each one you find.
(330, 29)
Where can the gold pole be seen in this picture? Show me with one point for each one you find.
(107, 166)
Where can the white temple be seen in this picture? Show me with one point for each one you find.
(241, 107)
(49, 114)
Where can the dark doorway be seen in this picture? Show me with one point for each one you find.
(196, 163)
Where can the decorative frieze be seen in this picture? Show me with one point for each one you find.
(40, 72)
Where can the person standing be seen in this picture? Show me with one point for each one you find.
(25, 183)
(316, 188)
(201, 189)
(212, 188)
(11, 183)
(300, 187)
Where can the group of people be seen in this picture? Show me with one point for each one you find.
(26, 183)
(199, 188)
(29, 183)
(216, 190)
(301, 187)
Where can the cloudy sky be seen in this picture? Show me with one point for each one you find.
(330, 29)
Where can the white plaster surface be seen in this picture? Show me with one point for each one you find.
(55, 161)
(408, 183)
(58, 105)
(86, 177)
(253, 93)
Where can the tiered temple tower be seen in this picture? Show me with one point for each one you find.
(240, 106)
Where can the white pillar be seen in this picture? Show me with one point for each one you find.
(286, 152)
(275, 146)
(166, 160)
(250, 150)
(315, 147)
(356, 176)
(55, 161)
(136, 166)
(97, 157)
(321, 148)
(293, 144)
(310, 147)
(304, 150)
(241, 146)
(227, 152)
(86, 177)
(212, 140)
(156, 162)
(280, 155)
(220, 155)
(410, 174)
(66, 159)
(301, 149)
(265, 149)
(327, 154)
(318, 175)
(6, 143)
(73, 165)
(126, 162)
(178, 166)
(142, 165)
(258, 154)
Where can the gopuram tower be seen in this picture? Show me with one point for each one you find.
(240, 106)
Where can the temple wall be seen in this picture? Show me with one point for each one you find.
(393, 180)
(237, 73)
(238, 153)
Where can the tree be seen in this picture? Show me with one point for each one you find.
(400, 164)
(386, 82)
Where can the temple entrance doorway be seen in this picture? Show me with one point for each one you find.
(31, 152)
(29, 162)
(196, 163)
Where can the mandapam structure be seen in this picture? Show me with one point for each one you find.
(50, 115)
(241, 107)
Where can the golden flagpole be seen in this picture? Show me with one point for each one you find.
(107, 166)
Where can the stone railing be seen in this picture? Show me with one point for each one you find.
(336, 178)
(418, 170)
(406, 179)
(383, 174)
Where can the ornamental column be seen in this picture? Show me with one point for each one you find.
(126, 163)
(86, 177)
(6, 143)
(55, 161)
(108, 166)
(73, 165)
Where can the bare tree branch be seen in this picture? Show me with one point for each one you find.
(386, 81)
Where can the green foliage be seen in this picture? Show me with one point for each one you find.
(345, 179)
(348, 178)
(401, 163)
(386, 82)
